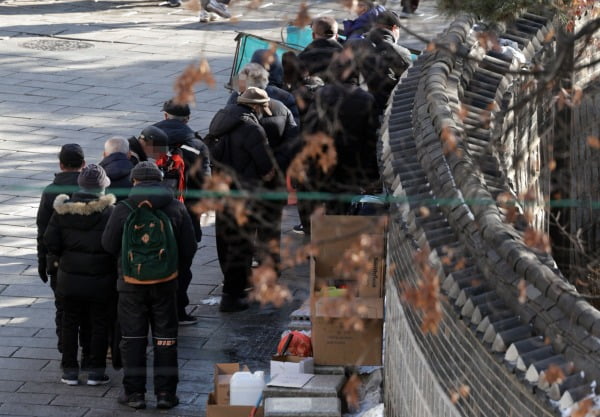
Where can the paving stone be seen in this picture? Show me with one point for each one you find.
(41, 410)
(318, 386)
(299, 406)
(25, 398)
(57, 388)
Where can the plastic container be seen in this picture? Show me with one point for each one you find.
(246, 388)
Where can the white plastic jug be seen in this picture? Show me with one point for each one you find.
(246, 388)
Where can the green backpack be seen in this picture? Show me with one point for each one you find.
(149, 252)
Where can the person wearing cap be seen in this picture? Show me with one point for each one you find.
(282, 134)
(117, 164)
(150, 305)
(318, 54)
(149, 145)
(380, 59)
(86, 272)
(250, 162)
(274, 85)
(183, 141)
(71, 161)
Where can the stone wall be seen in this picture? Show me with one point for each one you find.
(501, 299)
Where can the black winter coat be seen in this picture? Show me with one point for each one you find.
(318, 54)
(248, 154)
(64, 183)
(161, 198)
(118, 167)
(182, 136)
(381, 62)
(74, 235)
(346, 113)
(281, 129)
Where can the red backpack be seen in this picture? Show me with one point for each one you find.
(173, 168)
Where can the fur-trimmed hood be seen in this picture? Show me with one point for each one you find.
(62, 205)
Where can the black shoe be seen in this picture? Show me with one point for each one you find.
(166, 400)
(214, 6)
(135, 400)
(298, 229)
(231, 304)
(187, 320)
(97, 379)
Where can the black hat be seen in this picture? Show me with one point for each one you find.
(154, 134)
(388, 18)
(174, 109)
(93, 177)
(146, 171)
(71, 155)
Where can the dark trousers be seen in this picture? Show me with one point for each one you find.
(58, 304)
(183, 282)
(409, 6)
(234, 248)
(267, 218)
(79, 313)
(155, 307)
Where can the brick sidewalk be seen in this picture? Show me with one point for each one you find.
(81, 71)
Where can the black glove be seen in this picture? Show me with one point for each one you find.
(42, 270)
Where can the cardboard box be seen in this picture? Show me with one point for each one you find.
(334, 235)
(223, 374)
(220, 410)
(290, 364)
(335, 344)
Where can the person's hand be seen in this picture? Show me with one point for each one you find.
(42, 271)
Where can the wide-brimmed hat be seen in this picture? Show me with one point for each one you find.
(255, 95)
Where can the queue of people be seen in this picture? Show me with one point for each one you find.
(116, 240)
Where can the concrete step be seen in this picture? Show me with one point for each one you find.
(303, 406)
(318, 386)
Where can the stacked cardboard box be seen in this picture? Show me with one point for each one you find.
(336, 336)
(218, 401)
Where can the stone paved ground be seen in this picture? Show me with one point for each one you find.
(81, 71)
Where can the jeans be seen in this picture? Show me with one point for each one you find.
(149, 306)
(234, 248)
(79, 313)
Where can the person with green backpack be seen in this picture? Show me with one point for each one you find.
(151, 233)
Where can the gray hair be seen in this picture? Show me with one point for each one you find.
(255, 75)
(116, 144)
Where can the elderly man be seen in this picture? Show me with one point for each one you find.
(118, 166)
(247, 158)
(282, 134)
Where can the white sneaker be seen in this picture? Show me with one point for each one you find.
(204, 16)
(215, 7)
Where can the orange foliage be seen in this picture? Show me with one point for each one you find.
(426, 295)
(303, 17)
(351, 391)
(192, 75)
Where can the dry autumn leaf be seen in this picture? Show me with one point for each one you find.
(351, 392)
(536, 239)
(303, 17)
(192, 75)
(593, 142)
(522, 287)
(554, 374)
(583, 408)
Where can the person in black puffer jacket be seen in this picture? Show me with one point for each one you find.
(86, 272)
(118, 166)
(71, 161)
(246, 156)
